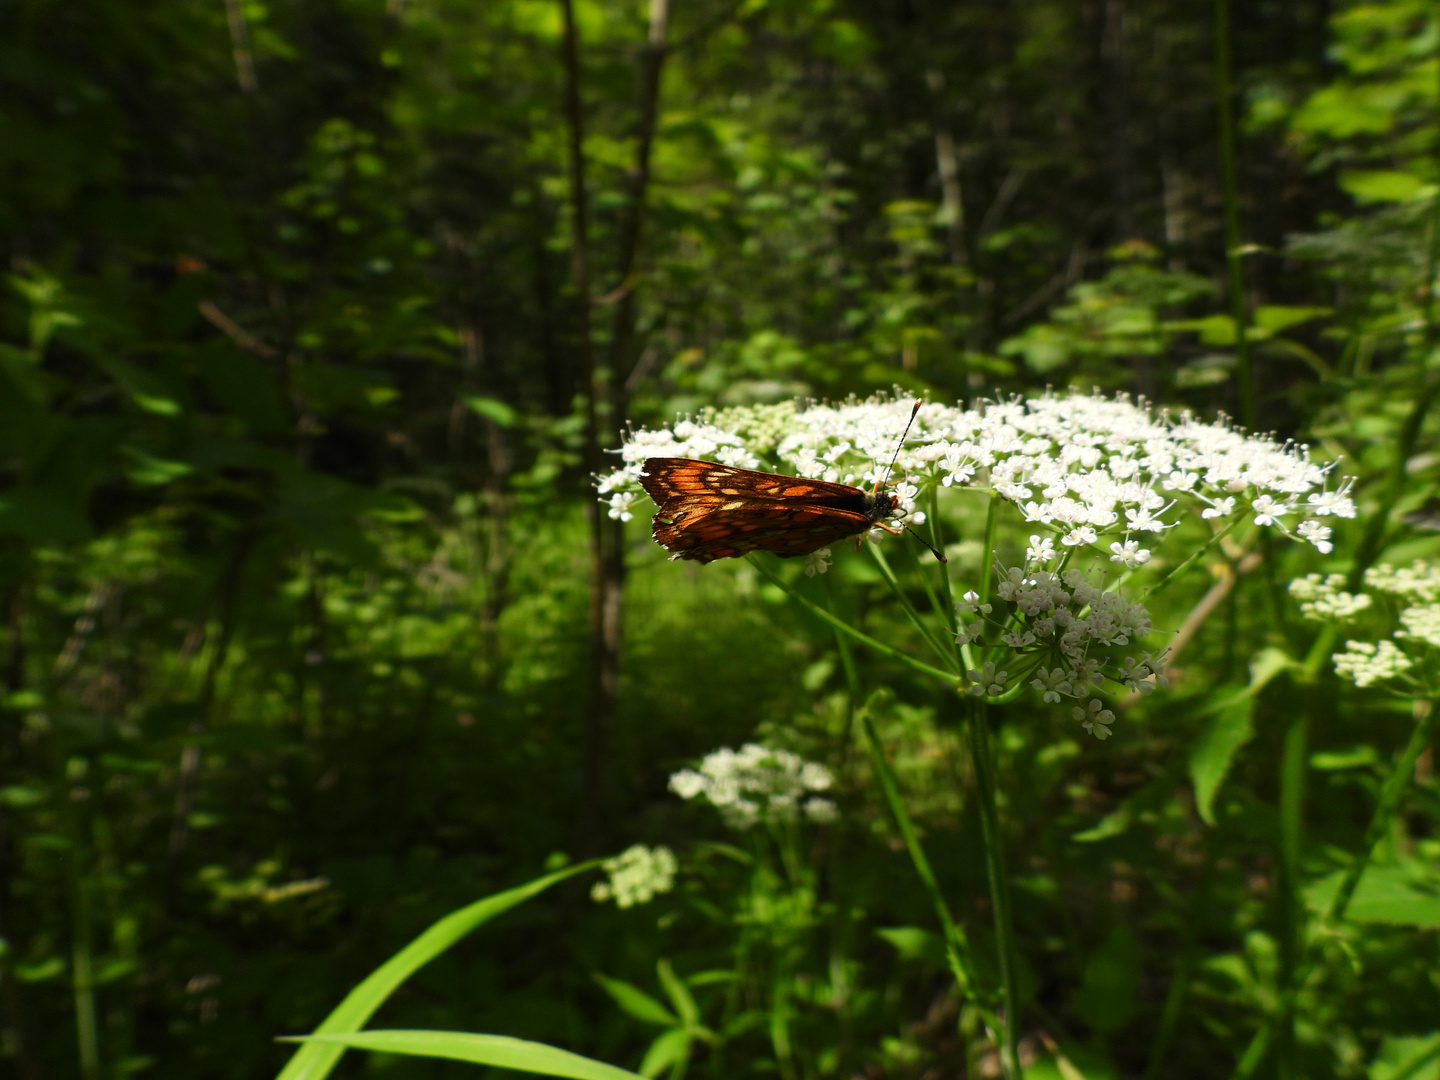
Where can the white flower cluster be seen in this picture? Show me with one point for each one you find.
(636, 876)
(1068, 631)
(756, 784)
(1408, 596)
(1322, 597)
(1367, 662)
(1081, 466)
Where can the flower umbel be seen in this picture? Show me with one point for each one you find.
(1088, 470)
(756, 784)
(636, 876)
(1400, 612)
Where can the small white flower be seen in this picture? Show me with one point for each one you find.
(1314, 533)
(1094, 718)
(1041, 550)
(968, 633)
(1268, 511)
(1082, 535)
(1220, 508)
(1053, 683)
(970, 603)
(986, 681)
(1130, 553)
(817, 562)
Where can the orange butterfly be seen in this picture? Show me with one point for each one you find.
(710, 511)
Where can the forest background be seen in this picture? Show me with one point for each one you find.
(319, 317)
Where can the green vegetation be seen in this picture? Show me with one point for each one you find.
(330, 693)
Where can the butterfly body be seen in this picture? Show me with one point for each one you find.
(710, 511)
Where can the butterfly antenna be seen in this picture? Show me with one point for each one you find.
(899, 446)
(938, 554)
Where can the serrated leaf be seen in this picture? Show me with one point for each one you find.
(500, 1051)
(1210, 758)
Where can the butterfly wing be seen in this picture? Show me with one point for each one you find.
(666, 478)
(713, 526)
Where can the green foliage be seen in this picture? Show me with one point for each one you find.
(294, 579)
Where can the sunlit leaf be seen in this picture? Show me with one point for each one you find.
(499, 1051)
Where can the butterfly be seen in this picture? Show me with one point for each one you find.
(710, 511)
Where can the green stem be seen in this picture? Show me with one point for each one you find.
(947, 677)
(939, 542)
(1155, 589)
(957, 947)
(1233, 255)
(1390, 793)
(852, 679)
(1180, 983)
(87, 1029)
(988, 551)
(1253, 1056)
(946, 655)
(1291, 913)
(982, 752)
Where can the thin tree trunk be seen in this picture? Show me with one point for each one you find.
(947, 164)
(1112, 50)
(608, 385)
(604, 598)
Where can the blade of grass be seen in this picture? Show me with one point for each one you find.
(499, 1051)
(957, 946)
(317, 1057)
(982, 751)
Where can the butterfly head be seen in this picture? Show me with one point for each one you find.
(881, 505)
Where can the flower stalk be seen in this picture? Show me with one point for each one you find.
(982, 753)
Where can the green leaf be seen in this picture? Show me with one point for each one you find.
(1210, 758)
(637, 1003)
(1273, 318)
(1231, 729)
(1382, 185)
(1213, 329)
(1112, 824)
(1402, 1057)
(149, 471)
(1400, 895)
(670, 1047)
(913, 943)
(1107, 996)
(500, 1051)
(678, 993)
(318, 1057)
(491, 409)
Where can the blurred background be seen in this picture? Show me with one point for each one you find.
(315, 328)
